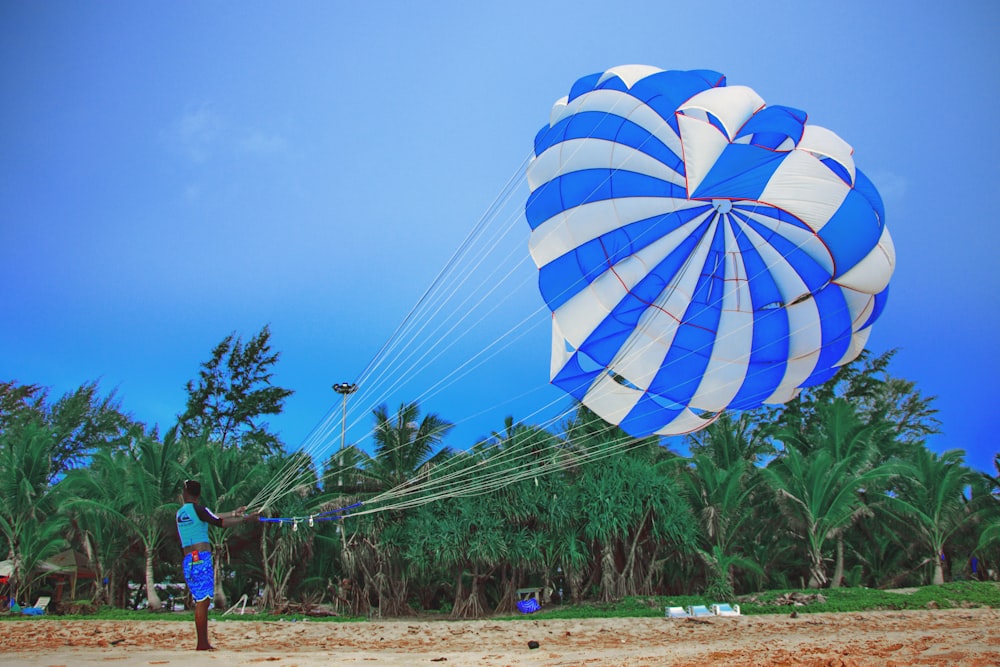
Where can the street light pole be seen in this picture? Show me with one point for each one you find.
(345, 389)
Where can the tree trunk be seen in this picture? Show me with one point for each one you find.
(630, 586)
(609, 580)
(16, 582)
(152, 599)
(574, 582)
(270, 597)
(938, 572)
(508, 590)
(220, 595)
(838, 570)
(471, 605)
(817, 568)
(651, 570)
(100, 590)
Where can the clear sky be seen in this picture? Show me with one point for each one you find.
(174, 172)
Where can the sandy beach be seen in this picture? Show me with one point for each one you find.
(968, 637)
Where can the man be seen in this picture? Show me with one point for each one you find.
(193, 520)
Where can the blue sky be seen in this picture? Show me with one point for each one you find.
(174, 172)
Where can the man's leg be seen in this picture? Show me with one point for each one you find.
(201, 625)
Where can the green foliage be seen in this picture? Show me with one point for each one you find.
(615, 525)
(233, 395)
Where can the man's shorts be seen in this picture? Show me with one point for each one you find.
(200, 575)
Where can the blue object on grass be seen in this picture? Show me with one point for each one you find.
(528, 606)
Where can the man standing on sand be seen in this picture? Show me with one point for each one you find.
(193, 520)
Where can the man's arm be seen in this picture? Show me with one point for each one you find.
(225, 520)
(208, 516)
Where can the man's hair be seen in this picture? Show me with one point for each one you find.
(192, 488)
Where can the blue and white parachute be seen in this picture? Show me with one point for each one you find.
(699, 250)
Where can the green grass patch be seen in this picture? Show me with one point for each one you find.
(955, 595)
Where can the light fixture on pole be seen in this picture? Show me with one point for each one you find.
(345, 389)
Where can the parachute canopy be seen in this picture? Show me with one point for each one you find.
(699, 250)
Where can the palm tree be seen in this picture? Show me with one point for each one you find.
(29, 521)
(729, 441)
(820, 496)
(98, 499)
(525, 461)
(151, 486)
(931, 500)
(989, 509)
(405, 445)
(721, 500)
(821, 478)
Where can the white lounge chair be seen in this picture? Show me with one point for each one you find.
(726, 610)
(699, 610)
(676, 612)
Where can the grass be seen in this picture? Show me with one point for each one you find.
(959, 594)
(955, 595)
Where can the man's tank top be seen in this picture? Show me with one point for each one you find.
(190, 527)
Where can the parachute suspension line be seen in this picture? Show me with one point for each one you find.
(312, 519)
(478, 479)
(475, 483)
(292, 475)
(415, 367)
(402, 357)
(428, 356)
(483, 480)
(487, 352)
(463, 247)
(286, 480)
(424, 303)
(443, 477)
(508, 340)
(284, 483)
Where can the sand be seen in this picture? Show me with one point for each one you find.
(968, 637)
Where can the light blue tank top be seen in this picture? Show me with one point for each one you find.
(191, 529)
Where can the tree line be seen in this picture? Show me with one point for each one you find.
(836, 488)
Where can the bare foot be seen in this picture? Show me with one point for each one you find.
(208, 647)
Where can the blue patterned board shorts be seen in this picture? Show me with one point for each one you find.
(200, 575)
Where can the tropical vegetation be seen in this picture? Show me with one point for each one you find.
(836, 489)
